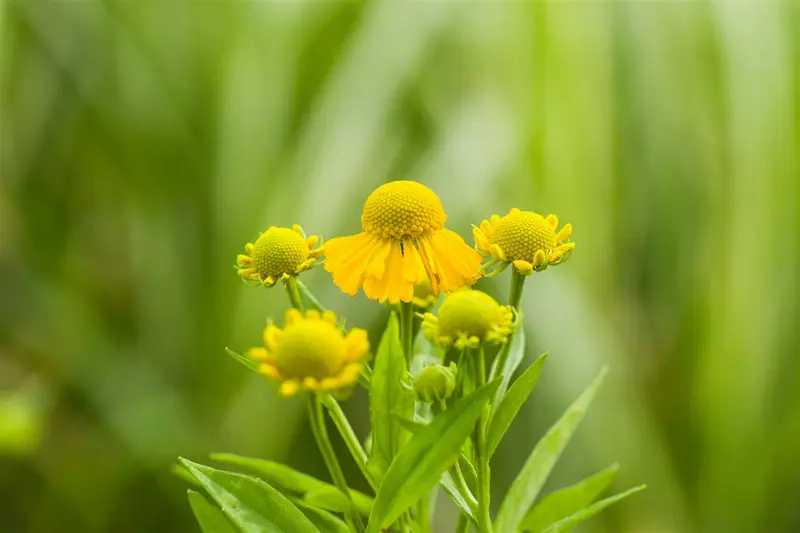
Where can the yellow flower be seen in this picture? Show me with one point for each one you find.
(404, 241)
(423, 298)
(527, 240)
(278, 253)
(311, 353)
(468, 318)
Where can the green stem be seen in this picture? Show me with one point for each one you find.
(294, 294)
(349, 436)
(407, 330)
(309, 296)
(462, 526)
(424, 515)
(317, 417)
(482, 456)
(514, 298)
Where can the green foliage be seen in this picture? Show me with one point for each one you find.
(324, 521)
(389, 398)
(537, 468)
(563, 503)
(252, 505)
(584, 514)
(290, 479)
(246, 361)
(210, 518)
(509, 405)
(516, 352)
(430, 452)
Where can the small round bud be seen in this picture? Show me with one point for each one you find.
(435, 383)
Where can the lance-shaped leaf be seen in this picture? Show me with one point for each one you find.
(567, 501)
(540, 463)
(431, 451)
(210, 518)
(584, 514)
(249, 503)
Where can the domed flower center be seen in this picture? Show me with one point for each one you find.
(402, 209)
(279, 251)
(470, 313)
(310, 349)
(521, 234)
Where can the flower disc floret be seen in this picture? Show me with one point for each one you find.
(278, 253)
(311, 353)
(525, 239)
(402, 209)
(468, 318)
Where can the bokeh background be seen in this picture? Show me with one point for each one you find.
(143, 143)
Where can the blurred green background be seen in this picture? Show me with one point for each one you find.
(143, 143)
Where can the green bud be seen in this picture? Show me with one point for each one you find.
(435, 383)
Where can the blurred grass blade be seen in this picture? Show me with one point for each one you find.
(292, 480)
(567, 501)
(387, 396)
(249, 503)
(511, 403)
(575, 519)
(429, 453)
(329, 499)
(540, 463)
(210, 518)
(324, 521)
(309, 300)
(246, 361)
(515, 356)
(412, 426)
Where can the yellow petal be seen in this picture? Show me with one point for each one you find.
(270, 371)
(258, 354)
(539, 258)
(288, 388)
(523, 266)
(357, 345)
(272, 334)
(292, 317)
(564, 234)
(552, 220)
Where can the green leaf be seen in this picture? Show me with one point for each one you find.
(388, 396)
(412, 426)
(290, 479)
(209, 517)
(511, 403)
(567, 501)
(540, 463)
(184, 474)
(328, 498)
(324, 521)
(575, 519)
(249, 503)
(430, 452)
(450, 487)
(515, 356)
(246, 361)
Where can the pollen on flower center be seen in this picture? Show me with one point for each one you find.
(278, 251)
(470, 313)
(402, 209)
(521, 234)
(310, 348)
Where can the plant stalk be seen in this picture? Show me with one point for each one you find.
(514, 298)
(293, 292)
(317, 417)
(482, 455)
(349, 436)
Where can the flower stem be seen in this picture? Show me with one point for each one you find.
(514, 298)
(462, 526)
(349, 436)
(482, 456)
(317, 417)
(294, 294)
(407, 330)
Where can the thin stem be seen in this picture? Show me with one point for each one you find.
(484, 486)
(424, 515)
(304, 291)
(349, 436)
(317, 417)
(294, 294)
(463, 525)
(407, 330)
(514, 298)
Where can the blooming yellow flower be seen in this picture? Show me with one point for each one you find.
(526, 239)
(468, 318)
(311, 353)
(404, 240)
(278, 253)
